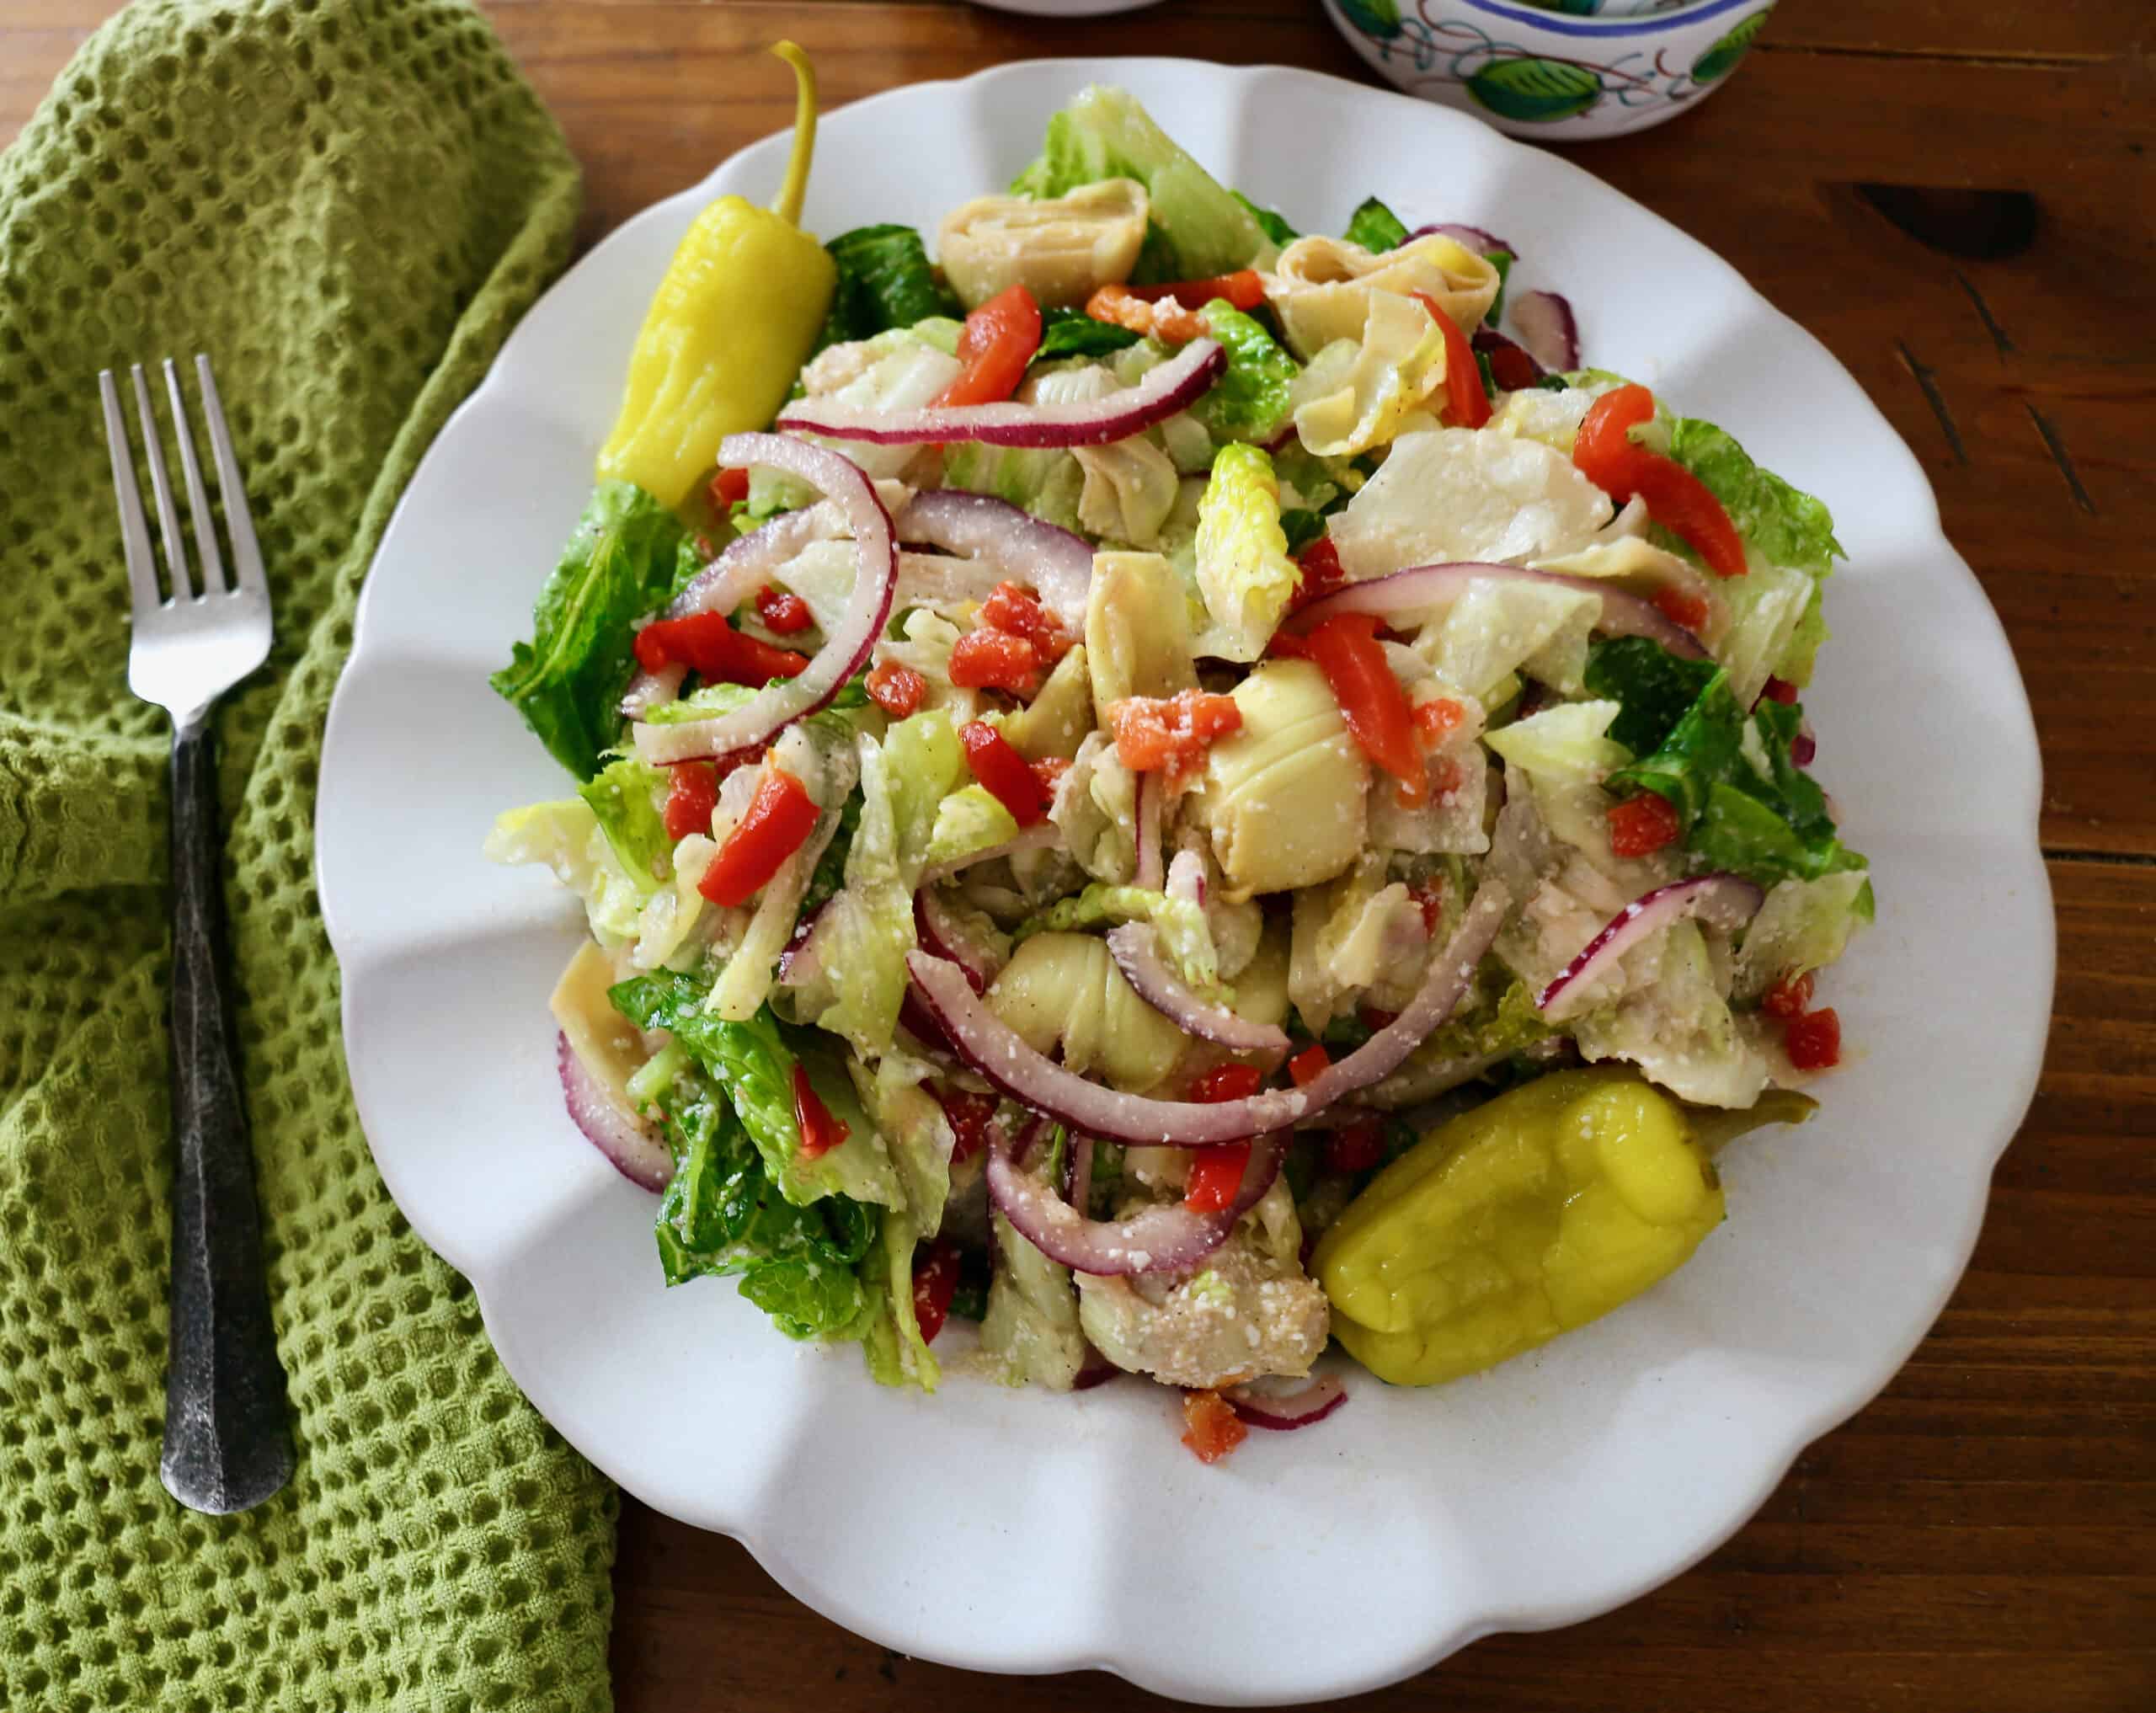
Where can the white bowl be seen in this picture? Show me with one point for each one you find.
(1023, 1531)
(1550, 75)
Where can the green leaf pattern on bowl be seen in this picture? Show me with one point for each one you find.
(1720, 60)
(1533, 91)
(1376, 17)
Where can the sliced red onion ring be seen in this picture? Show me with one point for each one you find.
(1547, 329)
(1146, 789)
(1186, 878)
(630, 1146)
(1285, 1404)
(987, 1043)
(1041, 836)
(750, 562)
(1163, 391)
(1468, 237)
(1078, 1173)
(1167, 1237)
(1421, 588)
(649, 690)
(802, 960)
(844, 651)
(947, 937)
(1058, 565)
(1136, 948)
(1724, 901)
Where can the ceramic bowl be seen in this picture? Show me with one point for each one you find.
(1554, 75)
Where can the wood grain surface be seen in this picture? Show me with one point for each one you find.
(1983, 1536)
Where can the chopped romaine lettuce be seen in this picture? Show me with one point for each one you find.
(1375, 227)
(890, 1336)
(1566, 742)
(566, 837)
(567, 681)
(1032, 1325)
(1250, 400)
(884, 282)
(1784, 525)
(1653, 686)
(1269, 220)
(1244, 572)
(970, 818)
(1071, 333)
(625, 796)
(1804, 925)
(1198, 229)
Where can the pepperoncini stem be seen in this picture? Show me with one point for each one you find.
(792, 192)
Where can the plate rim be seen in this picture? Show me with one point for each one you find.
(2019, 841)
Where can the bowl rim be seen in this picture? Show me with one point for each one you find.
(1597, 25)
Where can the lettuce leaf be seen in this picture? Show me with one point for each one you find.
(1072, 333)
(566, 838)
(1269, 220)
(1375, 227)
(884, 282)
(1244, 573)
(625, 796)
(1783, 523)
(567, 681)
(890, 1338)
(1198, 229)
(1654, 686)
(1250, 400)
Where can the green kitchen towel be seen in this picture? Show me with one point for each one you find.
(348, 204)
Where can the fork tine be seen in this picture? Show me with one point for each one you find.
(183, 587)
(246, 554)
(198, 502)
(134, 528)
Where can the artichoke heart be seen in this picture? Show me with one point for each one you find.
(1062, 250)
(1321, 287)
(1065, 988)
(1283, 797)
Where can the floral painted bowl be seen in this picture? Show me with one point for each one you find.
(1553, 75)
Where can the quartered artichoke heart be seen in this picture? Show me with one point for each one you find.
(1321, 287)
(1061, 250)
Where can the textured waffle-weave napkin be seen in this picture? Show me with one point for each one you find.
(348, 203)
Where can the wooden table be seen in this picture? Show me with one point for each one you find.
(1983, 1536)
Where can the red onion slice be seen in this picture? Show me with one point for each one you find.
(1058, 565)
(987, 1043)
(1421, 588)
(1042, 836)
(1136, 948)
(1270, 1405)
(1163, 391)
(750, 562)
(1468, 237)
(1724, 901)
(1146, 788)
(1078, 1173)
(1167, 1237)
(1547, 329)
(844, 651)
(1186, 878)
(945, 936)
(649, 690)
(630, 1146)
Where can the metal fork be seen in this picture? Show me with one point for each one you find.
(227, 1445)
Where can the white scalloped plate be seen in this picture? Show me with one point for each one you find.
(1024, 1532)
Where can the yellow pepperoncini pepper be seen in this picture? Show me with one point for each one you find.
(1524, 1218)
(730, 327)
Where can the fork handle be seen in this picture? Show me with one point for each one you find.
(226, 1445)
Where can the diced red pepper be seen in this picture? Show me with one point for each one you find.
(1307, 1066)
(1121, 307)
(1355, 1147)
(692, 794)
(820, 1132)
(970, 1115)
(1211, 1428)
(1004, 771)
(782, 612)
(779, 816)
(1641, 825)
(1216, 1173)
(1814, 1040)
(1606, 454)
(1429, 896)
(999, 340)
(1017, 612)
(729, 487)
(1466, 404)
(1437, 719)
(718, 652)
(1690, 611)
(1242, 289)
(1153, 734)
(934, 1282)
(1371, 701)
(1788, 997)
(1228, 1082)
(1782, 690)
(897, 690)
(993, 659)
(1321, 573)
(1050, 770)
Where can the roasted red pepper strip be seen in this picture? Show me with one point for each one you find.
(934, 1282)
(1346, 651)
(718, 652)
(993, 659)
(999, 340)
(1606, 454)
(782, 612)
(1307, 1066)
(1004, 771)
(1321, 573)
(1172, 733)
(1641, 825)
(1242, 289)
(1814, 1040)
(1017, 612)
(1466, 404)
(1788, 997)
(897, 690)
(1690, 611)
(820, 1132)
(692, 794)
(779, 816)
(1216, 1172)
(729, 489)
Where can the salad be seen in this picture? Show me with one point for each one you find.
(1179, 790)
